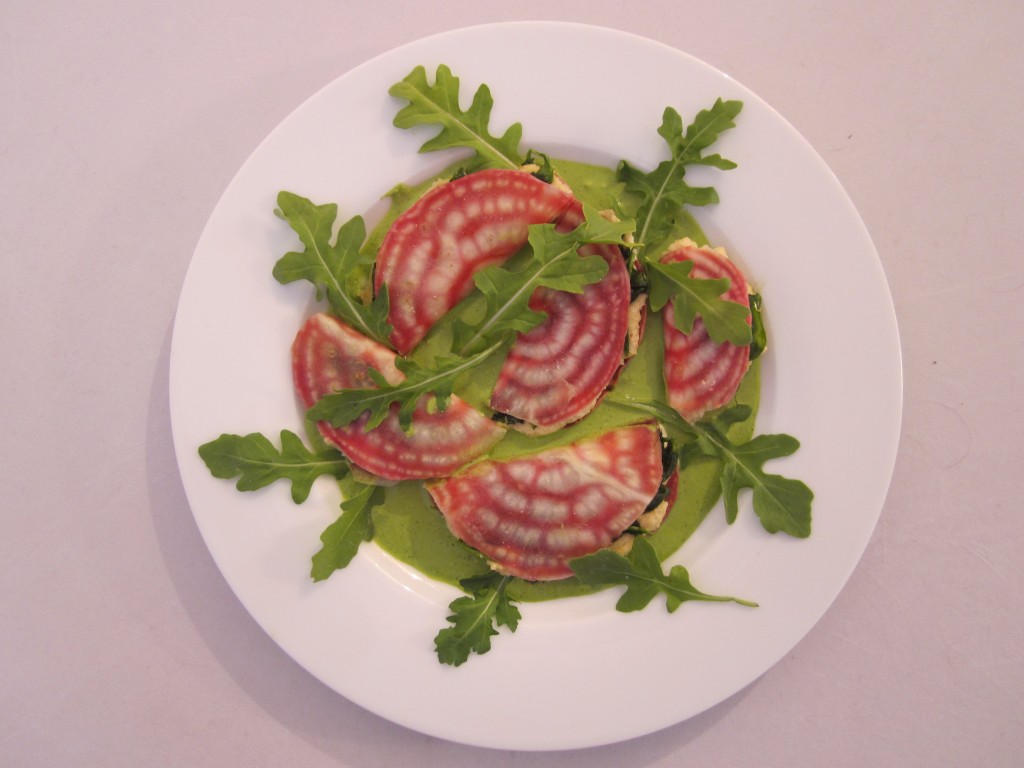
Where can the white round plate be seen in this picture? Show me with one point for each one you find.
(576, 673)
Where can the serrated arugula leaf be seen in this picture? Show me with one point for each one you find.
(555, 264)
(780, 503)
(475, 618)
(438, 104)
(342, 538)
(256, 462)
(724, 320)
(340, 272)
(596, 228)
(641, 573)
(436, 381)
(663, 192)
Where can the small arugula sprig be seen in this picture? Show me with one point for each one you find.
(257, 463)
(436, 381)
(475, 618)
(342, 538)
(438, 104)
(340, 272)
(663, 192)
(554, 264)
(780, 503)
(724, 320)
(642, 575)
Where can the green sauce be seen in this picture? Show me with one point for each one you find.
(412, 530)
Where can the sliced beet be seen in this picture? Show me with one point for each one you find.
(700, 374)
(429, 255)
(557, 373)
(531, 515)
(328, 356)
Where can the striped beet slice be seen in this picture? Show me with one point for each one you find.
(530, 516)
(701, 375)
(430, 253)
(557, 373)
(327, 356)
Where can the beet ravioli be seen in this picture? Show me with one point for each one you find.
(328, 356)
(431, 252)
(701, 374)
(558, 372)
(530, 516)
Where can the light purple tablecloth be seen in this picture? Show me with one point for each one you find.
(120, 643)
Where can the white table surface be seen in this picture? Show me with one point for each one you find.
(120, 643)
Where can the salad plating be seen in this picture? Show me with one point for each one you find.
(505, 298)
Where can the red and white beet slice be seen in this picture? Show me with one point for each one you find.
(700, 374)
(531, 516)
(429, 255)
(557, 373)
(328, 356)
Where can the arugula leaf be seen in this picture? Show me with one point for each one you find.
(341, 539)
(641, 573)
(664, 191)
(474, 618)
(340, 272)
(257, 463)
(780, 503)
(345, 406)
(554, 264)
(439, 104)
(544, 170)
(759, 336)
(725, 320)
